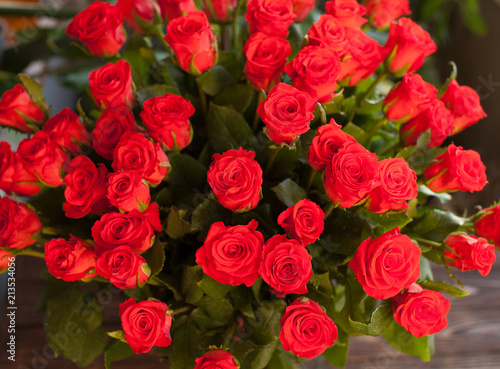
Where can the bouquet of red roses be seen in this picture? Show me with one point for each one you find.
(255, 181)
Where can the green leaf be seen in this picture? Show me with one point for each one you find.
(404, 341)
(471, 16)
(442, 197)
(148, 92)
(242, 299)
(85, 348)
(185, 347)
(34, 89)
(357, 132)
(155, 257)
(187, 175)
(213, 288)
(260, 356)
(118, 335)
(289, 192)
(267, 323)
(172, 283)
(177, 227)
(207, 213)
(205, 321)
(322, 282)
(189, 284)
(436, 224)
(387, 221)
(236, 96)
(139, 65)
(227, 129)
(215, 80)
(337, 354)
(116, 351)
(420, 156)
(218, 308)
(443, 287)
(379, 321)
(281, 359)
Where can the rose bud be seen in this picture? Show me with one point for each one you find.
(71, 260)
(191, 38)
(17, 110)
(127, 191)
(272, 17)
(216, 359)
(6, 259)
(304, 221)
(232, 255)
(421, 312)
(266, 57)
(145, 10)
(361, 58)
(489, 224)
(387, 264)
(99, 27)
(171, 9)
(286, 112)
(236, 179)
(220, 10)
(286, 266)
(167, 120)
(135, 152)
(382, 12)
(315, 70)
(302, 8)
(407, 46)
(469, 253)
(394, 185)
(348, 12)
(456, 170)
(350, 176)
(86, 187)
(66, 130)
(327, 142)
(111, 85)
(410, 97)
(328, 32)
(145, 324)
(110, 127)
(306, 330)
(18, 224)
(135, 230)
(7, 163)
(436, 118)
(464, 105)
(123, 267)
(39, 159)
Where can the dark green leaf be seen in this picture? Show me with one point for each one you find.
(207, 213)
(177, 227)
(379, 321)
(186, 175)
(34, 89)
(237, 96)
(442, 197)
(289, 192)
(204, 321)
(218, 308)
(420, 156)
(437, 224)
(337, 354)
(266, 326)
(471, 16)
(404, 341)
(357, 132)
(139, 65)
(387, 221)
(85, 348)
(443, 287)
(260, 356)
(281, 360)
(155, 257)
(213, 288)
(190, 289)
(185, 347)
(322, 282)
(215, 80)
(148, 92)
(242, 299)
(116, 351)
(425, 269)
(172, 283)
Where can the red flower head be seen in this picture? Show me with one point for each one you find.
(272, 17)
(383, 12)
(15, 106)
(348, 12)
(304, 221)
(469, 253)
(18, 224)
(489, 225)
(111, 85)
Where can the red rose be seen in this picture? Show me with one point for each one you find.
(216, 359)
(456, 170)
(232, 255)
(328, 32)
(111, 85)
(6, 258)
(407, 46)
(409, 98)
(327, 142)
(421, 312)
(286, 112)
(127, 191)
(146, 10)
(109, 128)
(40, 159)
(191, 38)
(86, 187)
(266, 57)
(146, 324)
(286, 266)
(469, 253)
(272, 17)
(7, 162)
(135, 152)
(220, 10)
(315, 70)
(362, 57)
(71, 260)
(304, 221)
(386, 264)
(301, 9)
(171, 9)
(66, 130)
(383, 12)
(306, 330)
(123, 267)
(15, 106)
(464, 105)
(436, 117)
(394, 185)
(167, 120)
(18, 224)
(348, 12)
(135, 230)
(350, 176)
(489, 224)
(236, 179)
(100, 28)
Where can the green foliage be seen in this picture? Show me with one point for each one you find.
(404, 341)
